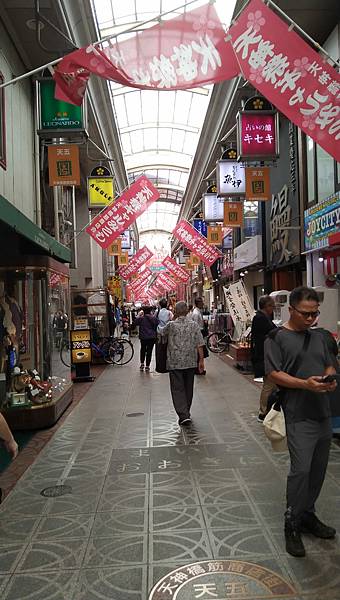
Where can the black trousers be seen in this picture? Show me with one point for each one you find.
(182, 389)
(308, 444)
(146, 347)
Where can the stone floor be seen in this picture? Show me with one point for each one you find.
(195, 513)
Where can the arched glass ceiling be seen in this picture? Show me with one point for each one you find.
(159, 130)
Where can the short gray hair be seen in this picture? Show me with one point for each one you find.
(181, 308)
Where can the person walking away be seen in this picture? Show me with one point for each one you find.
(164, 315)
(261, 325)
(147, 334)
(8, 441)
(306, 406)
(197, 317)
(185, 341)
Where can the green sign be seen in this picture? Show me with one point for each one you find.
(56, 114)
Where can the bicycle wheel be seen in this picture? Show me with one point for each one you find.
(218, 342)
(128, 352)
(112, 351)
(64, 352)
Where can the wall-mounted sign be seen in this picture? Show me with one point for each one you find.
(81, 346)
(280, 221)
(115, 249)
(126, 239)
(233, 214)
(63, 165)
(201, 226)
(212, 209)
(123, 259)
(320, 221)
(257, 135)
(215, 235)
(257, 183)
(100, 191)
(231, 178)
(57, 115)
(248, 253)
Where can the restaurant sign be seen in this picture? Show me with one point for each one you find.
(320, 221)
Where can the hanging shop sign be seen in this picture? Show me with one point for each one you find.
(188, 264)
(227, 238)
(117, 217)
(248, 253)
(238, 302)
(100, 171)
(257, 135)
(63, 165)
(175, 269)
(114, 284)
(123, 259)
(289, 73)
(227, 266)
(201, 226)
(195, 242)
(195, 260)
(212, 208)
(215, 235)
(56, 116)
(81, 346)
(115, 249)
(320, 221)
(257, 184)
(233, 214)
(231, 178)
(138, 260)
(126, 239)
(100, 191)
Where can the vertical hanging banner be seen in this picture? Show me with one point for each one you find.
(238, 302)
(175, 269)
(180, 53)
(289, 73)
(194, 241)
(139, 259)
(117, 217)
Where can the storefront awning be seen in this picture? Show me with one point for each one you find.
(15, 219)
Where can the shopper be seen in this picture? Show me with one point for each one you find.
(147, 323)
(197, 317)
(261, 325)
(185, 341)
(306, 405)
(164, 315)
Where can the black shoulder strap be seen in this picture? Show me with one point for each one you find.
(298, 360)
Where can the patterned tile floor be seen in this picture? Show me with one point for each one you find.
(148, 498)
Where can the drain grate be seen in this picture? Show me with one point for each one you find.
(134, 414)
(56, 490)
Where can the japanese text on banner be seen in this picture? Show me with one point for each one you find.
(175, 269)
(195, 242)
(139, 259)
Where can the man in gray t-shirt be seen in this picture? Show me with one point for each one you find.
(307, 413)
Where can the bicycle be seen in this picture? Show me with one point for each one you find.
(219, 342)
(117, 351)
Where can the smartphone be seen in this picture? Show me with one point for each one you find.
(328, 379)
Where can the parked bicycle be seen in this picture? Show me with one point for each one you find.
(219, 342)
(116, 351)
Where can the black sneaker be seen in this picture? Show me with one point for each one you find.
(261, 417)
(185, 422)
(311, 524)
(294, 543)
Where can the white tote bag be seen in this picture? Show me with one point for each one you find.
(275, 429)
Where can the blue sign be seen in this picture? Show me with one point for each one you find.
(322, 220)
(201, 227)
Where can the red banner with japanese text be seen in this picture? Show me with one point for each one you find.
(289, 73)
(119, 215)
(164, 281)
(196, 242)
(141, 280)
(174, 269)
(138, 260)
(180, 53)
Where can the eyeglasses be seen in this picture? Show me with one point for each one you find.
(306, 315)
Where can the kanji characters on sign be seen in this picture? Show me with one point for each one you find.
(175, 269)
(139, 259)
(195, 242)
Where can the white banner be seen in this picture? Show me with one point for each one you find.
(238, 302)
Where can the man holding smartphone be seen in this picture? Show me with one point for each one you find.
(297, 349)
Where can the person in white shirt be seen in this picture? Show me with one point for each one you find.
(164, 315)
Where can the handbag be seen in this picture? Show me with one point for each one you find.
(274, 422)
(161, 355)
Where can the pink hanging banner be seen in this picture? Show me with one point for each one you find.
(138, 260)
(196, 242)
(141, 280)
(175, 269)
(119, 215)
(289, 73)
(166, 282)
(185, 52)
